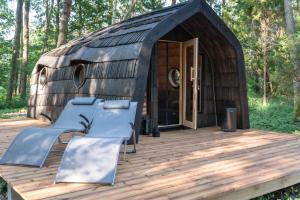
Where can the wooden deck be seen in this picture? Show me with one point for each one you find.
(184, 164)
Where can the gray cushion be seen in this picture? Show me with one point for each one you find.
(31, 146)
(114, 122)
(116, 104)
(83, 100)
(90, 160)
(69, 117)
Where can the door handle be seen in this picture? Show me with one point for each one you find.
(193, 74)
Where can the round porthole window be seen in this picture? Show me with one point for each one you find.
(79, 76)
(174, 77)
(43, 76)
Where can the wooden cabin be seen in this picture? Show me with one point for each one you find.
(182, 65)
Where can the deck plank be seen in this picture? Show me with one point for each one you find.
(181, 164)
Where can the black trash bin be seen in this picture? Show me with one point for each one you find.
(229, 122)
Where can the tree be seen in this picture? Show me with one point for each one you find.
(111, 12)
(63, 24)
(7, 19)
(264, 28)
(131, 10)
(23, 77)
(16, 51)
(290, 25)
(49, 10)
(57, 20)
(173, 2)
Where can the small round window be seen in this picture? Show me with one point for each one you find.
(43, 76)
(174, 77)
(79, 76)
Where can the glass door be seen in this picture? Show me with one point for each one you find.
(190, 83)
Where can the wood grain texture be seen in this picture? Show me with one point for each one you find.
(182, 164)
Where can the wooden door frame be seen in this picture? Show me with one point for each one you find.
(153, 82)
(185, 122)
(180, 86)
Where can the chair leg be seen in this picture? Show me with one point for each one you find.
(134, 142)
(59, 140)
(125, 150)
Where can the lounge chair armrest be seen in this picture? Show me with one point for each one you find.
(132, 125)
(47, 117)
(84, 125)
(84, 118)
(89, 125)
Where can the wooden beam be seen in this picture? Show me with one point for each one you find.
(263, 188)
(154, 91)
(12, 195)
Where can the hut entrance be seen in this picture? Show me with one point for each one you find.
(190, 83)
(169, 81)
(178, 90)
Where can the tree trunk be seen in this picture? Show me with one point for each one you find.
(80, 20)
(57, 20)
(19, 69)
(173, 2)
(63, 24)
(47, 24)
(16, 51)
(23, 78)
(290, 24)
(264, 26)
(110, 12)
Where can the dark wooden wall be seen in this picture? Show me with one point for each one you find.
(107, 80)
(168, 96)
(206, 117)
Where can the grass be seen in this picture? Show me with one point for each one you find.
(289, 193)
(13, 113)
(14, 109)
(277, 115)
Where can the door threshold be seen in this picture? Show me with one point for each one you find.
(171, 126)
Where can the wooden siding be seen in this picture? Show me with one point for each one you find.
(182, 164)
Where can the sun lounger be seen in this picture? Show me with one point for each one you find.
(94, 158)
(32, 145)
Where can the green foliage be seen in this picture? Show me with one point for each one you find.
(289, 193)
(6, 24)
(16, 103)
(3, 187)
(277, 115)
(13, 113)
(243, 17)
